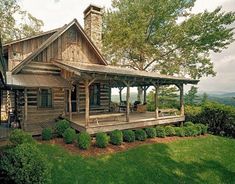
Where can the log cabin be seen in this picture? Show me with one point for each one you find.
(62, 73)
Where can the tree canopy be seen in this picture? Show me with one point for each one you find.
(15, 22)
(165, 36)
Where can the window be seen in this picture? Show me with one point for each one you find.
(95, 95)
(45, 98)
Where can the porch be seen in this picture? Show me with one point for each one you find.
(136, 120)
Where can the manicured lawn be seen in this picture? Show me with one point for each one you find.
(199, 160)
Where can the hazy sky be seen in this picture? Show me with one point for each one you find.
(56, 13)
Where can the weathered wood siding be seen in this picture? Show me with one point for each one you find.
(70, 46)
(19, 51)
(104, 98)
(38, 118)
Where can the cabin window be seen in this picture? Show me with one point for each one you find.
(45, 98)
(95, 95)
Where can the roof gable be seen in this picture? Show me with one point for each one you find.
(50, 40)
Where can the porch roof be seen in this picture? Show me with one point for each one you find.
(35, 80)
(110, 72)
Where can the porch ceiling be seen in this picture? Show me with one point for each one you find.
(116, 75)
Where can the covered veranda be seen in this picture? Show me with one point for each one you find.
(120, 78)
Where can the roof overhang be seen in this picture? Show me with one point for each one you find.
(36, 81)
(115, 73)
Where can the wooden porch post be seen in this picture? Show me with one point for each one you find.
(156, 99)
(145, 93)
(181, 88)
(128, 102)
(87, 107)
(70, 105)
(120, 94)
(25, 105)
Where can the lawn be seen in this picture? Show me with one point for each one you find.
(208, 159)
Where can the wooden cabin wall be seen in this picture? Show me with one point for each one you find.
(70, 46)
(7, 101)
(19, 51)
(104, 98)
(38, 118)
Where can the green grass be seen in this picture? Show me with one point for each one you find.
(199, 160)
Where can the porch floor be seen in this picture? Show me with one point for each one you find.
(137, 120)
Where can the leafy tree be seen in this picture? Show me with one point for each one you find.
(204, 98)
(25, 25)
(147, 35)
(191, 97)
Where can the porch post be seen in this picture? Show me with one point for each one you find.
(25, 105)
(120, 94)
(181, 88)
(145, 93)
(70, 106)
(128, 102)
(156, 100)
(87, 107)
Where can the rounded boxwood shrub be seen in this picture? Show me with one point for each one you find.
(179, 131)
(69, 135)
(198, 128)
(25, 164)
(84, 140)
(188, 123)
(151, 132)
(140, 135)
(128, 135)
(61, 126)
(18, 136)
(46, 134)
(160, 131)
(170, 131)
(116, 137)
(102, 140)
(189, 131)
(203, 128)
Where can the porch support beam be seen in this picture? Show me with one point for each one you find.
(156, 100)
(70, 105)
(145, 93)
(181, 88)
(25, 105)
(120, 93)
(128, 103)
(87, 107)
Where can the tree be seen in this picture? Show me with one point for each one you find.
(12, 28)
(191, 97)
(147, 35)
(204, 98)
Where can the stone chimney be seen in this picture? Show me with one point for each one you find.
(93, 24)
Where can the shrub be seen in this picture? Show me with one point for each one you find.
(198, 128)
(116, 137)
(69, 135)
(46, 134)
(18, 136)
(151, 132)
(102, 140)
(203, 128)
(179, 131)
(25, 164)
(193, 113)
(61, 126)
(189, 131)
(188, 123)
(170, 131)
(140, 135)
(160, 131)
(84, 140)
(128, 135)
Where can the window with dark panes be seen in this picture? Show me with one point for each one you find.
(45, 98)
(95, 94)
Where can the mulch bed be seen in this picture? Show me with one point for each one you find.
(95, 151)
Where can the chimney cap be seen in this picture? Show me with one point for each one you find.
(92, 7)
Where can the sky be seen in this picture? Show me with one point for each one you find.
(56, 13)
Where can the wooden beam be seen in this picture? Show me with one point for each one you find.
(120, 93)
(145, 93)
(77, 97)
(70, 105)
(156, 101)
(128, 103)
(87, 107)
(181, 88)
(25, 105)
